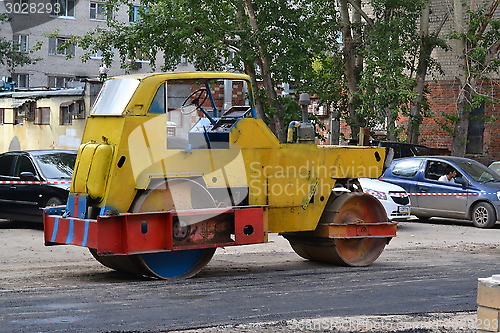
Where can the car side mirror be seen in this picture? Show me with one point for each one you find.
(27, 175)
(461, 181)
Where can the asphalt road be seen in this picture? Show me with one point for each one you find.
(429, 268)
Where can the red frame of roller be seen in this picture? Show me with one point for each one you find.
(139, 233)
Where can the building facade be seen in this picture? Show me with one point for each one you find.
(42, 26)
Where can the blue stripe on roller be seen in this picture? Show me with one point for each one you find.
(70, 231)
(86, 233)
(54, 231)
(172, 264)
(70, 205)
(82, 206)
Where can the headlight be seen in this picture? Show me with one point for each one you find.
(498, 195)
(379, 195)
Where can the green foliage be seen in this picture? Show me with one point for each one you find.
(391, 47)
(447, 122)
(481, 46)
(482, 42)
(217, 35)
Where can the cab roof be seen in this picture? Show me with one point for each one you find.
(185, 75)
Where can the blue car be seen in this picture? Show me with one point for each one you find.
(472, 194)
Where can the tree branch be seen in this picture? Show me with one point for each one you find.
(443, 21)
(491, 52)
(362, 13)
(488, 15)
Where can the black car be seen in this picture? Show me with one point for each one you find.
(46, 175)
(401, 149)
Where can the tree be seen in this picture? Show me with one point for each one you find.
(478, 43)
(10, 55)
(428, 42)
(387, 56)
(275, 41)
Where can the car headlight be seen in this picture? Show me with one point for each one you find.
(498, 195)
(378, 195)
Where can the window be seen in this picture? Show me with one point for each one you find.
(56, 46)
(22, 42)
(12, 116)
(98, 11)
(133, 14)
(18, 116)
(65, 117)
(41, 116)
(23, 164)
(97, 55)
(159, 101)
(6, 163)
(58, 81)
(63, 8)
(406, 168)
(114, 96)
(2, 115)
(74, 109)
(475, 135)
(77, 109)
(21, 80)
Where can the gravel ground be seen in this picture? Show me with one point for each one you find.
(25, 261)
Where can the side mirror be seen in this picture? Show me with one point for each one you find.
(27, 175)
(461, 181)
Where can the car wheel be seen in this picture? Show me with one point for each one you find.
(53, 202)
(483, 215)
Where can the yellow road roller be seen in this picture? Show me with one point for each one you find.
(173, 165)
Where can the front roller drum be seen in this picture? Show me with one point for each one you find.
(177, 194)
(349, 210)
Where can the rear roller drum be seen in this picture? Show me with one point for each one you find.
(178, 194)
(347, 208)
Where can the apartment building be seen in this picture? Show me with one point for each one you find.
(34, 21)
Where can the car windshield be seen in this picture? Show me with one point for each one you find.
(478, 172)
(56, 165)
(495, 167)
(114, 96)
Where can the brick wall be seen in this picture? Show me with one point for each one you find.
(443, 101)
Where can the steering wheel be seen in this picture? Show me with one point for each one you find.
(194, 99)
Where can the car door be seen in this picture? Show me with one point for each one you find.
(26, 196)
(6, 175)
(404, 172)
(440, 200)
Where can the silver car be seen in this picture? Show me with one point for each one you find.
(474, 193)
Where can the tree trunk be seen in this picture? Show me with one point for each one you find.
(423, 64)
(459, 142)
(250, 71)
(249, 64)
(266, 73)
(353, 67)
(391, 124)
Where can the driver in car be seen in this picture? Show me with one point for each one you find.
(449, 177)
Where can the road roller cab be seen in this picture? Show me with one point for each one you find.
(174, 165)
